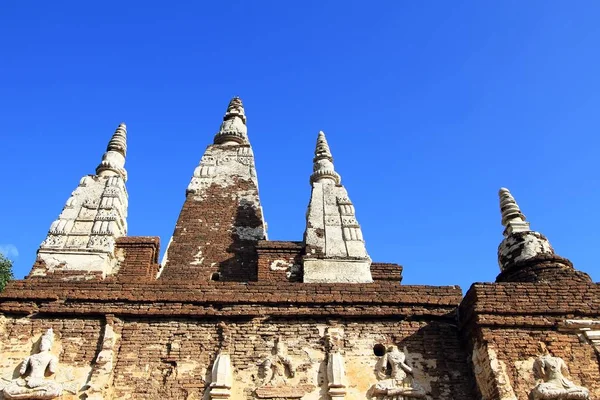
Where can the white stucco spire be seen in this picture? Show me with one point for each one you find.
(233, 129)
(512, 217)
(334, 245)
(323, 162)
(113, 160)
(82, 239)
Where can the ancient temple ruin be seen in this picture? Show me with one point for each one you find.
(229, 314)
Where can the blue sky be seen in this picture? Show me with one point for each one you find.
(429, 108)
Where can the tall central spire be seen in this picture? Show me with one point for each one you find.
(221, 220)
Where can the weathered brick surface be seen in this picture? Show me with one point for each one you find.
(519, 322)
(543, 268)
(171, 357)
(139, 258)
(279, 261)
(204, 242)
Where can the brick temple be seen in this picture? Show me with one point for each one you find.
(229, 314)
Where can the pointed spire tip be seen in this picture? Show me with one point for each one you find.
(512, 218)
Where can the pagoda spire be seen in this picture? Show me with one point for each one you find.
(113, 160)
(525, 255)
(233, 129)
(323, 162)
(221, 221)
(512, 217)
(82, 240)
(334, 246)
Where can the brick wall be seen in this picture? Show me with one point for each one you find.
(509, 325)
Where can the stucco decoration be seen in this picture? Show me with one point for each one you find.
(336, 371)
(84, 235)
(335, 248)
(102, 374)
(276, 372)
(396, 381)
(554, 385)
(32, 382)
(222, 377)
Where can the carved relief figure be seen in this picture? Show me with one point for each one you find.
(277, 371)
(396, 378)
(278, 367)
(35, 385)
(554, 385)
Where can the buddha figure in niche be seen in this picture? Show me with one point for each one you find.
(555, 386)
(35, 385)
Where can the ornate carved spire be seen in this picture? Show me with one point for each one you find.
(113, 160)
(334, 246)
(323, 162)
(82, 239)
(233, 129)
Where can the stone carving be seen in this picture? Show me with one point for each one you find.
(276, 371)
(396, 378)
(35, 385)
(336, 373)
(278, 367)
(554, 385)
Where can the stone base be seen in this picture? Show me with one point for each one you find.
(220, 392)
(340, 271)
(75, 262)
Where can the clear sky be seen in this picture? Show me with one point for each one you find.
(429, 107)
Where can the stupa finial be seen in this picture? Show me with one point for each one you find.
(323, 162)
(113, 160)
(512, 217)
(233, 129)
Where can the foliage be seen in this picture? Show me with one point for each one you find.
(6, 273)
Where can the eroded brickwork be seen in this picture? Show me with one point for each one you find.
(171, 358)
(231, 315)
(510, 325)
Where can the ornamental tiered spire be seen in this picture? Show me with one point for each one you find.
(525, 255)
(512, 217)
(233, 129)
(113, 159)
(334, 246)
(323, 162)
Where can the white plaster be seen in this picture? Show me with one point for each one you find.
(515, 249)
(337, 270)
(222, 377)
(490, 374)
(554, 385)
(332, 230)
(83, 237)
(512, 217)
